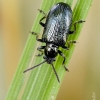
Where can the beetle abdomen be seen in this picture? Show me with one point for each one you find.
(57, 24)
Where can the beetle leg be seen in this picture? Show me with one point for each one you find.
(45, 15)
(71, 41)
(41, 23)
(77, 22)
(63, 60)
(41, 11)
(39, 49)
(40, 40)
(67, 48)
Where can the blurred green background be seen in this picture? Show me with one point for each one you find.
(82, 82)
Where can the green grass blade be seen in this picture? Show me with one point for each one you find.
(41, 83)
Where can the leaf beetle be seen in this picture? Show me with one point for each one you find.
(55, 33)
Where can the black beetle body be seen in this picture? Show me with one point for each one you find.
(55, 34)
(57, 24)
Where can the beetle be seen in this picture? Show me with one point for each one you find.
(55, 34)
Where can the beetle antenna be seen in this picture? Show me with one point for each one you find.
(34, 66)
(55, 72)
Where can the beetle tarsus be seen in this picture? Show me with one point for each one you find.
(39, 49)
(66, 68)
(33, 33)
(77, 22)
(41, 11)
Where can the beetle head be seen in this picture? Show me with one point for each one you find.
(51, 52)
